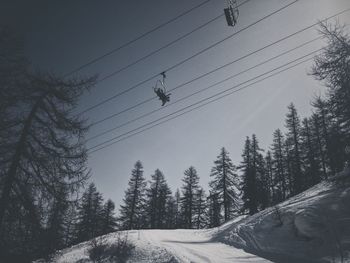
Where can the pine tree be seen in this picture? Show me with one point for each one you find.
(320, 151)
(289, 166)
(164, 199)
(189, 189)
(225, 184)
(84, 215)
(41, 147)
(157, 197)
(308, 149)
(24, 233)
(338, 145)
(332, 67)
(200, 210)
(97, 213)
(249, 187)
(331, 131)
(89, 214)
(250, 181)
(322, 116)
(170, 213)
(132, 210)
(255, 182)
(279, 166)
(56, 225)
(214, 210)
(177, 199)
(71, 223)
(293, 139)
(270, 179)
(109, 221)
(259, 171)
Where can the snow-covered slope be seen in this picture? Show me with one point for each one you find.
(144, 251)
(313, 226)
(169, 246)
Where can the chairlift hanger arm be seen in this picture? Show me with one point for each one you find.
(163, 74)
(231, 12)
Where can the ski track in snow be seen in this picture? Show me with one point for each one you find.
(195, 246)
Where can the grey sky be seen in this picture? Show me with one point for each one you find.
(62, 35)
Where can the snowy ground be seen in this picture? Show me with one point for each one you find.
(313, 226)
(172, 246)
(197, 246)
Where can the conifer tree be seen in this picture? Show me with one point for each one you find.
(177, 200)
(214, 210)
(279, 166)
(157, 197)
(289, 166)
(164, 205)
(254, 185)
(337, 145)
(248, 186)
(270, 179)
(259, 171)
(109, 221)
(41, 148)
(332, 67)
(71, 223)
(132, 210)
(189, 189)
(225, 184)
(331, 131)
(200, 211)
(320, 151)
(97, 214)
(323, 118)
(293, 139)
(170, 213)
(308, 150)
(89, 214)
(56, 225)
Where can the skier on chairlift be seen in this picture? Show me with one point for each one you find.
(162, 96)
(161, 92)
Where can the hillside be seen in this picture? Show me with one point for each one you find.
(310, 227)
(313, 226)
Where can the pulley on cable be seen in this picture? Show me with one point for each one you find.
(231, 12)
(161, 91)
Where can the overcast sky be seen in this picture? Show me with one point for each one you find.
(62, 35)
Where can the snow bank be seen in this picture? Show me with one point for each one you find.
(168, 246)
(315, 226)
(144, 252)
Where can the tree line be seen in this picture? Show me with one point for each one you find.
(152, 204)
(43, 161)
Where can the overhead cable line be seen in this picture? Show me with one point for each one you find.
(187, 59)
(206, 99)
(197, 107)
(202, 90)
(136, 39)
(207, 73)
(166, 46)
(221, 67)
